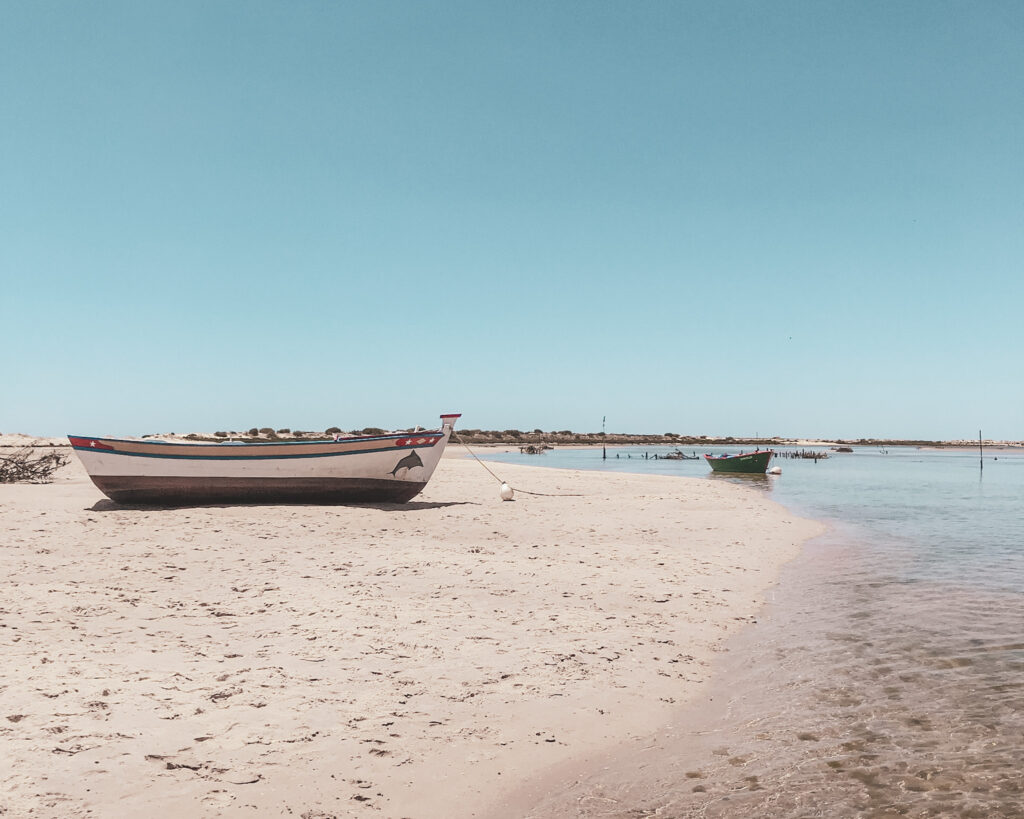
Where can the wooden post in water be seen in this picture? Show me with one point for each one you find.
(981, 453)
(604, 446)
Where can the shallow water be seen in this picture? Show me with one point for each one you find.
(885, 678)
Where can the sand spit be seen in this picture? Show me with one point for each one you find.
(406, 661)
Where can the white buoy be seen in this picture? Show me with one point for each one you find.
(506, 492)
(775, 470)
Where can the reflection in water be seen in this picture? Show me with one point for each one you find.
(758, 481)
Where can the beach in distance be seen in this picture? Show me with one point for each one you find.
(439, 658)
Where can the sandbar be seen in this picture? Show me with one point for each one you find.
(422, 660)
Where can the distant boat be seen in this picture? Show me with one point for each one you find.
(679, 455)
(747, 462)
(391, 468)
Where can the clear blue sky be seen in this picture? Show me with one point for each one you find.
(791, 218)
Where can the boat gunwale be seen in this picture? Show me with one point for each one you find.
(436, 434)
(242, 456)
(738, 455)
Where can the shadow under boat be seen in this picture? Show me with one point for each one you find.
(107, 505)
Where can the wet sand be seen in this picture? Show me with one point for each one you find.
(424, 660)
(858, 693)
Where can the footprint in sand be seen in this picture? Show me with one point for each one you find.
(218, 798)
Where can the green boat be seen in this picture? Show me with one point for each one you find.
(755, 463)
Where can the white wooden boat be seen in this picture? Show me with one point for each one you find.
(391, 468)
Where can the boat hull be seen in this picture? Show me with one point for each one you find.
(178, 491)
(749, 463)
(376, 469)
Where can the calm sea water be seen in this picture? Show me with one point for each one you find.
(886, 677)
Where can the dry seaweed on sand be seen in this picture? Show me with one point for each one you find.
(23, 466)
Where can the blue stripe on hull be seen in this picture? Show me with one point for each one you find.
(190, 457)
(321, 441)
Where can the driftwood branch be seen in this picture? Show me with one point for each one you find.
(23, 466)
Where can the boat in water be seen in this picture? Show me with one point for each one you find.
(387, 468)
(751, 463)
(678, 455)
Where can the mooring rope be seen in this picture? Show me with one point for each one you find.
(499, 480)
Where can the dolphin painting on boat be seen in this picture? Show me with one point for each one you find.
(410, 461)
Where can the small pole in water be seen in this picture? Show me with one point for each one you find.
(604, 446)
(981, 453)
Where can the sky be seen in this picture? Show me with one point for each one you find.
(715, 218)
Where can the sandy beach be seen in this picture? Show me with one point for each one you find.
(425, 660)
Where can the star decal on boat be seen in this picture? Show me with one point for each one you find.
(89, 443)
(417, 441)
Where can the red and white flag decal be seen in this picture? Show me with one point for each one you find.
(90, 443)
